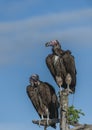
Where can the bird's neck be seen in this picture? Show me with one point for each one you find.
(37, 83)
(57, 50)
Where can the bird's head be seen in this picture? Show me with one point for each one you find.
(34, 78)
(52, 43)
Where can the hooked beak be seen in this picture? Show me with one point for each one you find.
(47, 44)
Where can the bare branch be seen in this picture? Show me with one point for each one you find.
(78, 127)
(44, 122)
(82, 127)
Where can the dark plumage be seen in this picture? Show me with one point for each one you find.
(43, 98)
(61, 65)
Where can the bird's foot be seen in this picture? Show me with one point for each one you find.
(69, 91)
(41, 120)
(47, 121)
(63, 110)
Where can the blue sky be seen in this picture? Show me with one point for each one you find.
(25, 26)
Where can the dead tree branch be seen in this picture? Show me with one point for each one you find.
(82, 127)
(44, 122)
(63, 110)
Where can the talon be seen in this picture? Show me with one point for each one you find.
(69, 90)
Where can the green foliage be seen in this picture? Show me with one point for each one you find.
(74, 114)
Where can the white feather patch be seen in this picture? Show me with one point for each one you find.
(55, 59)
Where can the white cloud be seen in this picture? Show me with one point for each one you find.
(19, 37)
(44, 21)
(52, 25)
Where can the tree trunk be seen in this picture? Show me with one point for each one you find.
(64, 124)
(63, 110)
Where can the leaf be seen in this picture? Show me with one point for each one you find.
(74, 114)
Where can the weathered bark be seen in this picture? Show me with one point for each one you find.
(63, 110)
(64, 124)
(87, 127)
(44, 122)
(82, 127)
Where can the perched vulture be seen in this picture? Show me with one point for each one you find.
(62, 66)
(43, 98)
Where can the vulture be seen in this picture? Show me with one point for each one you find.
(62, 66)
(43, 98)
